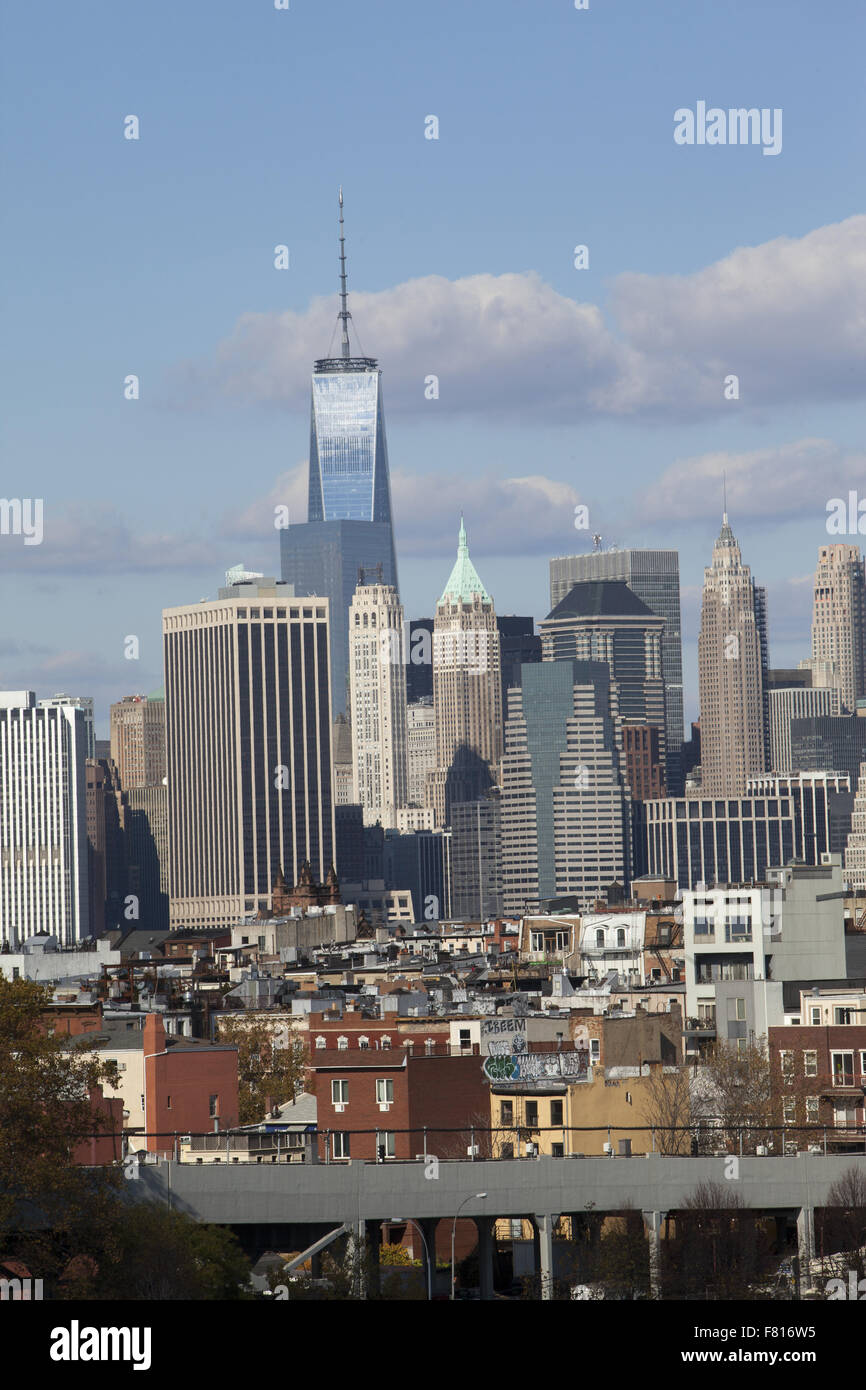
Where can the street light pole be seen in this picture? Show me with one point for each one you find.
(475, 1197)
(410, 1221)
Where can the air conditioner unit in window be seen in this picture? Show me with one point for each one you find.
(384, 1105)
(339, 1106)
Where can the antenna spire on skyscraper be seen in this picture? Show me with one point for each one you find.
(344, 291)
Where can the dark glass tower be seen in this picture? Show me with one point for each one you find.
(349, 525)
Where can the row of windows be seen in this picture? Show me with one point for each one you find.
(841, 1065)
(384, 1091)
(341, 1144)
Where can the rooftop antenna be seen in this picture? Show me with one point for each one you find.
(725, 495)
(344, 292)
(596, 541)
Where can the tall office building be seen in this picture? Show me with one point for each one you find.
(735, 840)
(138, 740)
(654, 575)
(249, 749)
(519, 645)
(419, 665)
(787, 703)
(106, 848)
(377, 688)
(146, 823)
(855, 852)
(85, 704)
(839, 619)
(829, 743)
(417, 863)
(420, 748)
(467, 689)
(43, 820)
(565, 801)
(732, 661)
(341, 757)
(604, 620)
(476, 859)
(349, 525)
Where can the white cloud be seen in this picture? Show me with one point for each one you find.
(782, 482)
(787, 317)
(94, 538)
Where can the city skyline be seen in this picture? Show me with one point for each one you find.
(558, 386)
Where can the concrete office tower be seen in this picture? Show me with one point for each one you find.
(565, 801)
(476, 859)
(43, 820)
(341, 754)
(377, 690)
(654, 575)
(420, 748)
(467, 690)
(855, 852)
(349, 525)
(138, 740)
(82, 702)
(839, 619)
(604, 620)
(794, 702)
(731, 673)
(821, 674)
(249, 749)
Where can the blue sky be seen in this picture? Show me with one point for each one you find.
(557, 385)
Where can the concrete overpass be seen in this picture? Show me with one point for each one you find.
(321, 1196)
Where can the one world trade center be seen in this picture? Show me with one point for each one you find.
(348, 533)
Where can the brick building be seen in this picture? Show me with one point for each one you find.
(819, 1073)
(396, 1103)
(189, 1086)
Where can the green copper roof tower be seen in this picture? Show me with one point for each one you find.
(464, 582)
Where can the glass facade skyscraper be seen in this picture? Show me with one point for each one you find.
(349, 526)
(348, 452)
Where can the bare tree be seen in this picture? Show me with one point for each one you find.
(734, 1099)
(667, 1108)
(842, 1223)
(721, 1249)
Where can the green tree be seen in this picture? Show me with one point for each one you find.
(151, 1253)
(268, 1065)
(46, 1111)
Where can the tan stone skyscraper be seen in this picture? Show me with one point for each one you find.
(138, 740)
(855, 853)
(839, 619)
(731, 661)
(467, 689)
(377, 702)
